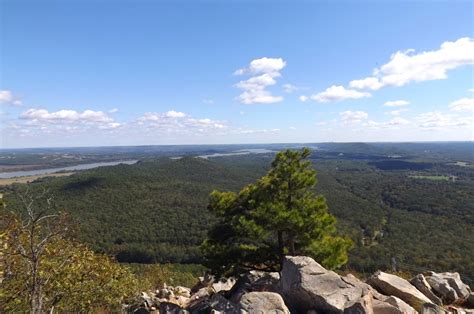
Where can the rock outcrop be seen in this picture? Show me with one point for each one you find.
(307, 287)
(262, 303)
(449, 287)
(395, 286)
(421, 284)
(254, 281)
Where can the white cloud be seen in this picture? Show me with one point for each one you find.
(66, 120)
(396, 103)
(438, 120)
(392, 123)
(7, 97)
(178, 122)
(464, 104)
(263, 65)
(336, 93)
(470, 90)
(258, 82)
(289, 88)
(351, 117)
(258, 97)
(303, 98)
(398, 121)
(407, 66)
(396, 112)
(113, 110)
(264, 71)
(255, 131)
(292, 128)
(65, 115)
(372, 83)
(175, 114)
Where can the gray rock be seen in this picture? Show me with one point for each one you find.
(171, 308)
(392, 305)
(221, 304)
(223, 284)
(381, 307)
(352, 280)
(263, 303)
(395, 286)
(254, 281)
(430, 308)
(147, 300)
(214, 304)
(306, 285)
(362, 306)
(183, 291)
(458, 310)
(470, 301)
(449, 287)
(421, 284)
(200, 296)
(400, 305)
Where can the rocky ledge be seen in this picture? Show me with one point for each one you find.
(304, 286)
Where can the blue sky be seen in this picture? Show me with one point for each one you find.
(87, 73)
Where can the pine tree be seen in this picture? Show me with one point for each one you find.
(276, 216)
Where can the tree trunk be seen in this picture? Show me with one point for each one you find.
(281, 247)
(36, 300)
(291, 245)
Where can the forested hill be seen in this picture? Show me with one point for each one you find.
(152, 211)
(411, 216)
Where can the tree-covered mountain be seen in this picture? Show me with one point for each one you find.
(155, 211)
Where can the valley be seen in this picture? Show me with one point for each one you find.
(401, 215)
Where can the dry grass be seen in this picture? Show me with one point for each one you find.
(27, 179)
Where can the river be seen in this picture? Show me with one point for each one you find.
(8, 175)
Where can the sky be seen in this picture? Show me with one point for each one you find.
(142, 72)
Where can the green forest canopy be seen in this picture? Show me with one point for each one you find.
(155, 211)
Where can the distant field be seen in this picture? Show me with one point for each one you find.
(434, 178)
(22, 167)
(27, 179)
(463, 164)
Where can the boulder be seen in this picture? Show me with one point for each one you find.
(400, 305)
(141, 310)
(352, 280)
(363, 305)
(148, 301)
(306, 285)
(392, 305)
(254, 281)
(395, 286)
(448, 286)
(165, 293)
(199, 296)
(182, 291)
(223, 284)
(381, 307)
(470, 301)
(205, 281)
(430, 308)
(215, 304)
(458, 310)
(421, 284)
(171, 308)
(262, 303)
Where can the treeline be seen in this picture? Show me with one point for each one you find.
(155, 211)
